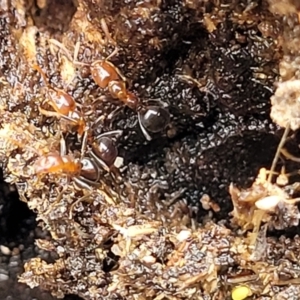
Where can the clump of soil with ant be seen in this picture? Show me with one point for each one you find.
(169, 205)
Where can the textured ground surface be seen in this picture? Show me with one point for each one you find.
(213, 64)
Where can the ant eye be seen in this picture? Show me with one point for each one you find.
(105, 150)
(155, 119)
(89, 170)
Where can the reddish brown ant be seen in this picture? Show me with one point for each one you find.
(63, 104)
(87, 170)
(152, 119)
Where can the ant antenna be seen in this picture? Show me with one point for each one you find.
(67, 53)
(289, 156)
(84, 144)
(106, 31)
(282, 141)
(112, 54)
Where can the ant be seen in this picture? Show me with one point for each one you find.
(53, 162)
(87, 170)
(63, 104)
(152, 119)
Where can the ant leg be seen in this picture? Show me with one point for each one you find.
(78, 201)
(155, 102)
(289, 156)
(116, 50)
(85, 184)
(189, 79)
(75, 55)
(77, 120)
(279, 148)
(283, 177)
(57, 200)
(84, 144)
(67, 53)
(292, 201)
(98, 121)
(55, 107)
(111, 117)
(144, 131)
(201, 87)
(80, 122)
(68, 118)
(63, 146)
(62, 47)
(49, 113)
(115, 175)
(109, 133)
(76, 51)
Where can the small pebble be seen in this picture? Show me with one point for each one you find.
(5, 250)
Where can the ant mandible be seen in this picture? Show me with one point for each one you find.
(63, 104)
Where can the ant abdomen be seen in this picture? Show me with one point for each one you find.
(89, 169)
(104, 152)
(154, 118)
